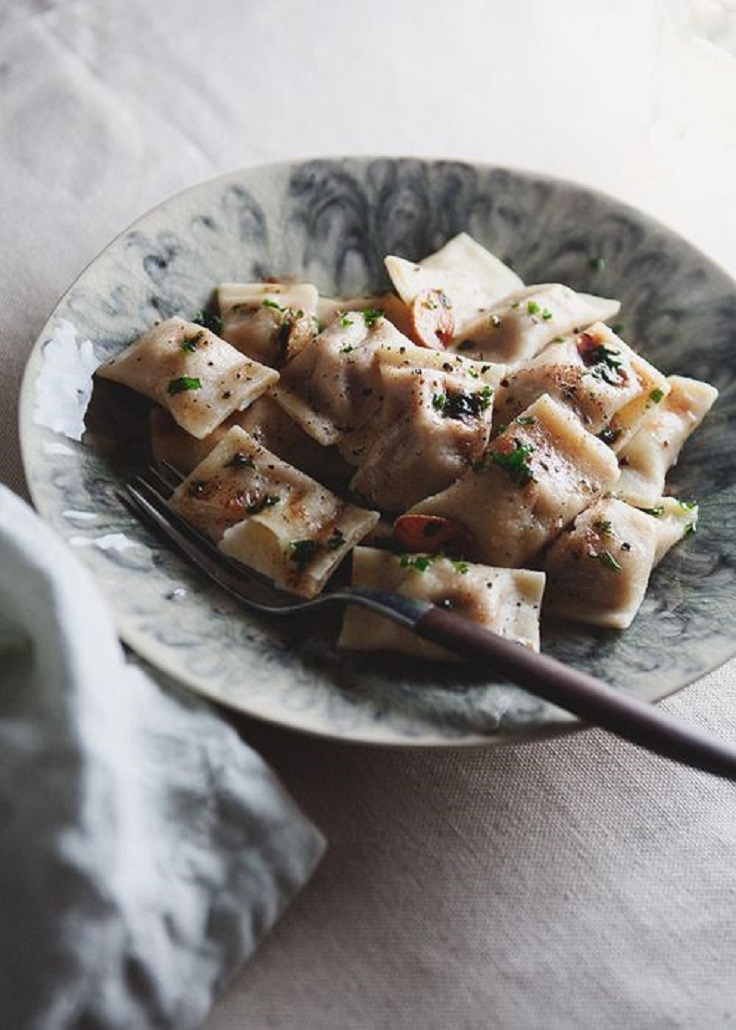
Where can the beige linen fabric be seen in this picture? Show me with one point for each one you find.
(562, 884)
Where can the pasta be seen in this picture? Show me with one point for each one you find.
(598, 570)
(198, 377)
(270, 515)
(534, 478)
(521, 325)
(505, 600)
(469, 439)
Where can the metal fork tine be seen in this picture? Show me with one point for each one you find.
(147, 495)
(149, 502)
(167, 474)
(163, 477)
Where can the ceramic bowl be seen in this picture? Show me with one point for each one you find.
(331, 222)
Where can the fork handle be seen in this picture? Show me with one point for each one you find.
(592, 700)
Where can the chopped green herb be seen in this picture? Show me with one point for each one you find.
(190, 343)
(347, 348)
(656, 396)
(603, 363)
(209, 320)
(268, 303)
(182, 384)
(267, 501)
(608, 561)
(609, 435)
(420, 562)
(532, 308)
(515, 462)
(455, 404)
(546, 314)
(240, 460)
(371, 316)
(656, 512)
(688, 505)
(345, 321)
(303, 552)
(602, 527)
(284, 332)
(526, 420)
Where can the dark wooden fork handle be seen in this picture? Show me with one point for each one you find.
(590, 699)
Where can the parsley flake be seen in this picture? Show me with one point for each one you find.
(303, 552)
(182, 384)
(371, 316)
(208, 320)
(602, 362)
(608, 561)
(515, 462)
(190, 343)
(418, 562)
(655, 512)
(609, 435)
(456, 404)
(267, 501)
(240, 460)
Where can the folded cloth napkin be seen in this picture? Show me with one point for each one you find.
(145, 850)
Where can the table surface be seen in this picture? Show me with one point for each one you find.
(571, 882)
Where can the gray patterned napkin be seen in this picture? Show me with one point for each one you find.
(145, 850)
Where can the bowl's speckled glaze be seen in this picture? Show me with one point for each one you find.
(331, 222)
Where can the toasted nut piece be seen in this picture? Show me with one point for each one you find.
(432, 320)
(433, 533)
(297, 330)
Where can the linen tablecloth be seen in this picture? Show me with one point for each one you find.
(575, 882)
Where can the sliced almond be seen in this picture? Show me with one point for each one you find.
(432, 320)
(433, 533)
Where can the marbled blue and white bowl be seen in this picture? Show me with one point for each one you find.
(332, 221)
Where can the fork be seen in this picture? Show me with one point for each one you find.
(592, 700)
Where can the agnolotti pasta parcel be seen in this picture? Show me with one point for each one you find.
(198, 377)
(490, 445)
